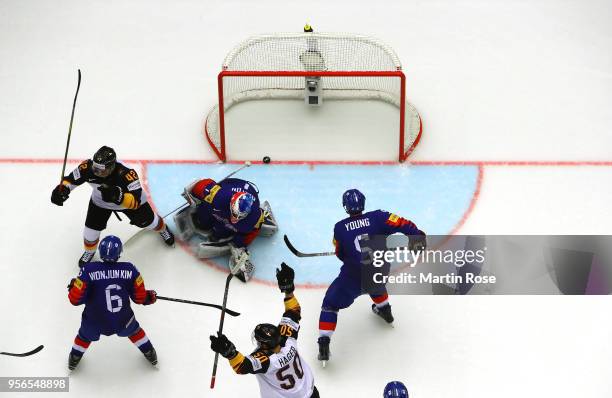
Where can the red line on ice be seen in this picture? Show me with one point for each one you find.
(480, 164)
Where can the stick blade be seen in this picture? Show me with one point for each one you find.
(25, 354)
(291, 248)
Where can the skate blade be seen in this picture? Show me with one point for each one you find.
(324, 364)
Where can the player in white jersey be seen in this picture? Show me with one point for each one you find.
(276, 363)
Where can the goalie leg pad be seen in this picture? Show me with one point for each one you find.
(269, 226)
(213, 249)
(185, 229)
(186, 226)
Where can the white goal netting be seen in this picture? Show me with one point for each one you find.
(347, 67)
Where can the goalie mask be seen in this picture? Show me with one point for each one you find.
(240, 206)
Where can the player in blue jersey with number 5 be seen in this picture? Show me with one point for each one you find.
(106, 287)
(353, 239)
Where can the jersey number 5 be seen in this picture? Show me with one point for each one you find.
(114, 303)
(288, 381)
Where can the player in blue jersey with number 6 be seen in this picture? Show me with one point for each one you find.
(105, 288)
(354, 237)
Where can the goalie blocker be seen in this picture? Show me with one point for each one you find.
(224, 218)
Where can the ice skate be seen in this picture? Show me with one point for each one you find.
(167, 236)
(384, 312)
(151, 356)
(324, 353)
(73, 361)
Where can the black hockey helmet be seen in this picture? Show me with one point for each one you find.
(266, 336)
(104, 161)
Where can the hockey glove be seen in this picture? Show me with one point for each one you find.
(284, 277)
(238, 260)
(111, 193)
(71, 283)
(151, 297)
(60, 195)
(417, 243)
(221, 344)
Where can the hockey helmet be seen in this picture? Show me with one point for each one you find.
(103, 161)
(395, 389)
(110, 248)
(199, 190)
(353, 201)
(266, 336)
(240, 206)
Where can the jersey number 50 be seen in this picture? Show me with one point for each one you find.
(288, 379)
(114, 303)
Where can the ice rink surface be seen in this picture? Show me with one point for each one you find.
(515, 97)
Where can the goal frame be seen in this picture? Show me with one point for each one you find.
(398, 74)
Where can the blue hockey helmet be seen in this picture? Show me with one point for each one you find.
(110, 248)
(353, 201)
(240, 206)
(395, 389)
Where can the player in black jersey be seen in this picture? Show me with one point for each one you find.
(116, 188)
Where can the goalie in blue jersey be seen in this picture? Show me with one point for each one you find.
(226, 217)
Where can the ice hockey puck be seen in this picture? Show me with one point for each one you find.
(266, 159)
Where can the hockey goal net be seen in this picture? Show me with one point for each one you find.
(315, 68)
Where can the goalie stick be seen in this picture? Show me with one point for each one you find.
(25, 354)
(228, 311)
(301, 254)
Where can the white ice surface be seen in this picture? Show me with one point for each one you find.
(495, 80)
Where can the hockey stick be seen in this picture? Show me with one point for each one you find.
(244, 166)
(300, 254)
(25, 354)
(228, 311)
(70, 127)
(214, 372)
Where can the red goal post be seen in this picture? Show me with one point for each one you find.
(261, 53)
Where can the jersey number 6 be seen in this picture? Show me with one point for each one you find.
(114, 303)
